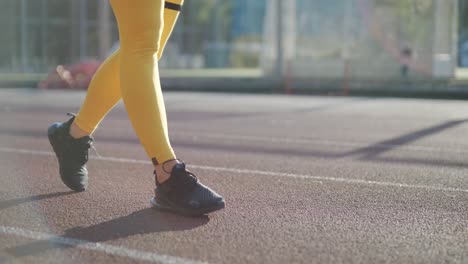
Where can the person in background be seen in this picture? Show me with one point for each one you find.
(131, 73)
(406, 55)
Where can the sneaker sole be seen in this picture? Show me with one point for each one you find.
(166, 207)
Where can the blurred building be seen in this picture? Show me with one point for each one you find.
(364, 39)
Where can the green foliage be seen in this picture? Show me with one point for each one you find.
(244, 58)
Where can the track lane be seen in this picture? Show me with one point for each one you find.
(269, 219)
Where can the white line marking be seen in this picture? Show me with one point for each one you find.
(100, 247)
(318, 179)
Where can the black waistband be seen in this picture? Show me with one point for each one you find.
(172, 6)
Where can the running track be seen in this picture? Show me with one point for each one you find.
(306, 180)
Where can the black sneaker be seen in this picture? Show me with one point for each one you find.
(72, 154)
(183, 193)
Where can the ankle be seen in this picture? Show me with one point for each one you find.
(164, 170)
(76, 132)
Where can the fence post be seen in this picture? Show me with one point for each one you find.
(83, 29)
(24, 36)
(104, 28)
(279, 40)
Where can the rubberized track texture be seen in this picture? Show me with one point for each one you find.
(306, 180)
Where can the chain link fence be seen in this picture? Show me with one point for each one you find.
(361, 39)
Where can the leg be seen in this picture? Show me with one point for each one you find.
(171, 13)
(104, 90)
(103, 94)
(140, 30)
(71, 140)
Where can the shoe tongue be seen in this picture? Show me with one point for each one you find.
(180, 174)
(179, 170)
(179, 166)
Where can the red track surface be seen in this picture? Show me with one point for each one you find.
(306, 180)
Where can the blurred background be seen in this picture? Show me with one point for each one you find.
(290, 45)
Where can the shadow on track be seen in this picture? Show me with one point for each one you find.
(145, 221)
(368, 153)
(374, 150)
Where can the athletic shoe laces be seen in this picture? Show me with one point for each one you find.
(181, 177)
(79, 149)
(81, 146)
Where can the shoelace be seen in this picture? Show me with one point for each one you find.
(191, 176)
(89, 144)
(187, 181)
(80, 150)
(95, 150)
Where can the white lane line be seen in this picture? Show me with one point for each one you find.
(318, 179)
(100, 247)
(318, 142)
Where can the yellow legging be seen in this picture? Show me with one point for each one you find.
(131, 73)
